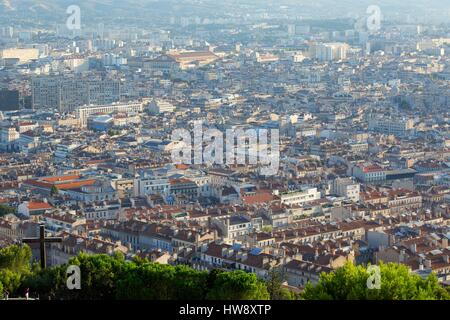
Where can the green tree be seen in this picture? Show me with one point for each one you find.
(397, 283)
(238, 285)
(189, 283)
(274, 285)
(16, 258)
(14, 266)
(4, 210)
(99, 274)
(11, 280)
(49, 283)
(111, 277)
(54, 191)
(148, 281)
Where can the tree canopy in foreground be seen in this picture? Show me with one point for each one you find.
(397, 283)
(113, 277)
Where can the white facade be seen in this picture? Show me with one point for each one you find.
(346, 188)
(330, 51)
(8, 135)
(144, 186)
(299, 197)
(397, 127)
(84, 112)
(161, 106)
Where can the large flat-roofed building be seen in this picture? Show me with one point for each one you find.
(396, 127)
(64, 182)
(329, 51)
(68, 93)
(158, 106)
(176, 60)
(369, 173)
(23, 54)
(190, 59)
(298, 197)
(84, 112)
(163, 63)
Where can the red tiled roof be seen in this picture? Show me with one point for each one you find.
(34, 205)
(61, 178)
(259, 197)
(373, 168)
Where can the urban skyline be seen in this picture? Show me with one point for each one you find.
(243, 150)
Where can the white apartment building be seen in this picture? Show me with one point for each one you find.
(233, 227)
(329, 51)
(84, 112)
(9, 135)
(160, 106)
(369, 173)
(397, 127)
(149, 185)
(64, 150)
(299, 197)
(346, 187)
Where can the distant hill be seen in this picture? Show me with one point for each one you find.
(155, 9)
(52, 11)
(30, 5)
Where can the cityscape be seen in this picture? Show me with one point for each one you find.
(232, 150)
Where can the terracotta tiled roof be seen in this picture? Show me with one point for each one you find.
(61, 178)
(34, 205)
(259, 197)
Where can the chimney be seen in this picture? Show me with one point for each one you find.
(413, 248)
(445, 258)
